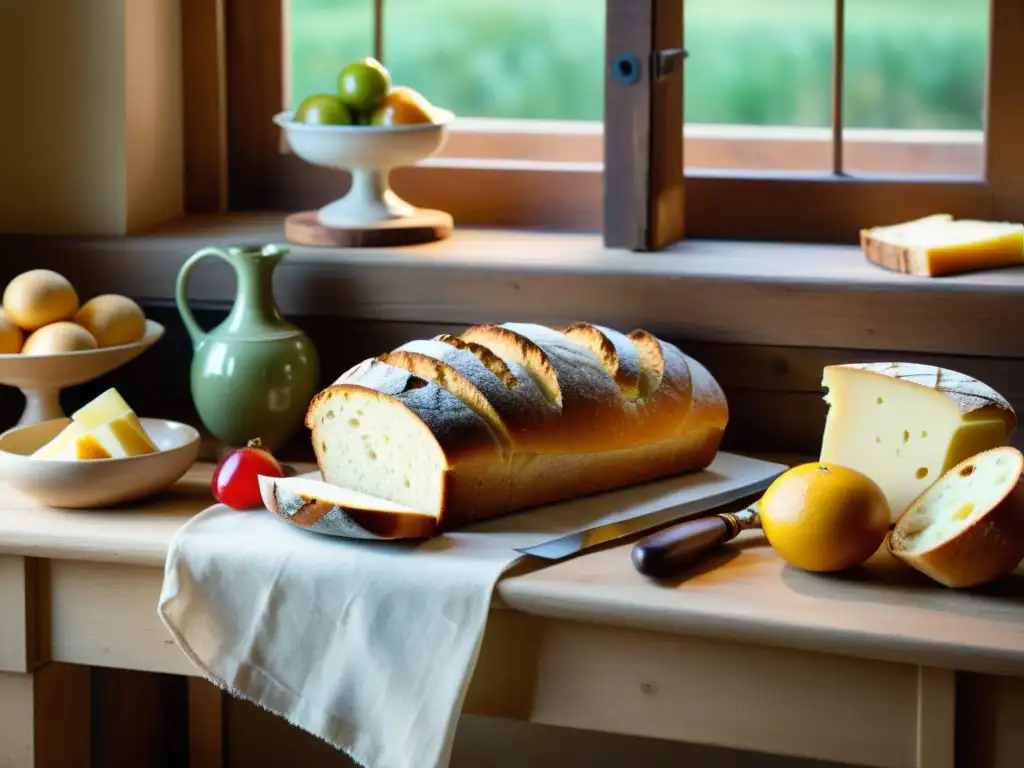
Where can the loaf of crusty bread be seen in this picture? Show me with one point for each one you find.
(506, 417)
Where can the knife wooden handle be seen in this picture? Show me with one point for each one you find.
(670, 550)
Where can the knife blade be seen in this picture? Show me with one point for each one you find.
(579, 541)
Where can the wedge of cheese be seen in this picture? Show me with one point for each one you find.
(58, 446)
(941, 245)
(904, 424)
(105, 408)
(73, 443)
(105, 428)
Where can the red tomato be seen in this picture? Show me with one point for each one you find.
(235, 480)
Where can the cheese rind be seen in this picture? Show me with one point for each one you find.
(88, 448)
(905, 425)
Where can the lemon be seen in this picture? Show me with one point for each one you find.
(112, 319)
(39, 297)
(11, 336)
(824, 517)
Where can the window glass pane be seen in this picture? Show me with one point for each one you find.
(914, 91)
(523, 59)
(324, 35)
(758, 84)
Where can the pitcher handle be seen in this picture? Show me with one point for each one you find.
(195, 331)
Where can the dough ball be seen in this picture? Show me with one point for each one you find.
(112, 320)
(11, 336)
(57, 338)
(39, 297)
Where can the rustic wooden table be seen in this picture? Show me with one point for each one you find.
(877, 667)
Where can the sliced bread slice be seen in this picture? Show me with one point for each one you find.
(336, 511)
(967, 528)
(941, 245)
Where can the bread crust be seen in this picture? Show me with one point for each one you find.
(581, 418)
(514, 401)
(615, 351)
(459, 432)
(487, 490)
(987, 548)
(896, 257)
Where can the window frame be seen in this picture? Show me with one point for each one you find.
(233, 54)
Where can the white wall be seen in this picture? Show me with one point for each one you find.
(90, 127)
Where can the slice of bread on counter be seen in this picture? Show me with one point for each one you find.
(941, 245)
(967, 528)
(505, 417)
(325, 508)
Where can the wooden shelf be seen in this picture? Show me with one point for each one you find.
(711, 291)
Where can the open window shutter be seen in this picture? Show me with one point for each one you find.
(643, 124)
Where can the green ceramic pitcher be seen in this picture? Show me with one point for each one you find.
(254, 374)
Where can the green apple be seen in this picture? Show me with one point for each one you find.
(363, 83)
(323, 109)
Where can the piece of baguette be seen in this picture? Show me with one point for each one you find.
(505, 417)
(967, 528)
(939, 245)
(326, 508)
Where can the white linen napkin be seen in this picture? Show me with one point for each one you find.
(371, 645)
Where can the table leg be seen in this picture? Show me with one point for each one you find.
(936, 717)
(46, 718)
(205, 724)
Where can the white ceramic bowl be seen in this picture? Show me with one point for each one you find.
(42, 377)
(368, 152)
(98, 482)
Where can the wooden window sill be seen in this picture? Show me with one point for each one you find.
(739, 292)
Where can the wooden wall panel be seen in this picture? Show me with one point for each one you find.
(774, 392)
(204, 82)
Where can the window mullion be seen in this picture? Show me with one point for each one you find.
(838, 75)
(378, 30)
(1004, 114)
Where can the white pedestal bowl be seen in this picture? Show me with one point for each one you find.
(41, 377)
(368, 153)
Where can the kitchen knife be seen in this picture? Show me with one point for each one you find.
(571, 544)
(669, 551)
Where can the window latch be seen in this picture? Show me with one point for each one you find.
(626, 69)
(667, 62)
